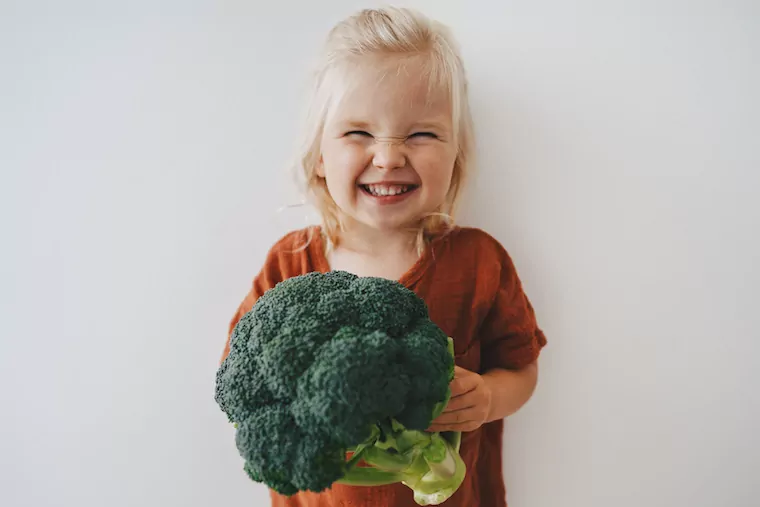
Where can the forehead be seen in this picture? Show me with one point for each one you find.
(393, 90)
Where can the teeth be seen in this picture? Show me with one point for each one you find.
(384, 190)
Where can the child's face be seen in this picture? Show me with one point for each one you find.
(388, 151)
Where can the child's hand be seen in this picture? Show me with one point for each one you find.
(469, 405)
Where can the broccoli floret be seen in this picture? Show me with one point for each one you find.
(330, 363)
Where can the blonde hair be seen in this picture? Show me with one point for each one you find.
(373, 33)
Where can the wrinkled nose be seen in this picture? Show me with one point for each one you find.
(389, 154)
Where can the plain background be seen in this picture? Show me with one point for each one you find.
(143, 148)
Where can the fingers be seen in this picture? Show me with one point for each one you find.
(466, 419)
(463, 411)
(456, 417)
(463, 385)
(460, 402)
(465, 426)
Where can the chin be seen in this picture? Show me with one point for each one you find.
(391, 225)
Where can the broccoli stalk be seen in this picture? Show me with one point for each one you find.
(428, 463)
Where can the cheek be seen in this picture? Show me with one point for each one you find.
(435, 167)
(344, 163)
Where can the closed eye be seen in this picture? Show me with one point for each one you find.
(424, 134)
(358, 133)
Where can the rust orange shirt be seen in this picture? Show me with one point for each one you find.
(474, 294)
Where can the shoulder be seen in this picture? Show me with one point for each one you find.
(293, 253)
(478, 245)
(294, 242)
(480, 257)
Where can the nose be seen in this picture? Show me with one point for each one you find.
(389, 155)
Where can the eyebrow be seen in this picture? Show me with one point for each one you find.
(355, 124)
(435, 125)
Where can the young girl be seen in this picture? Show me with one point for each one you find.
(388, 145)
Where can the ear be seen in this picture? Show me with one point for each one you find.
(321, 167)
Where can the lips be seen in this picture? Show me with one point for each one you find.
(387, 189)
(388, 193)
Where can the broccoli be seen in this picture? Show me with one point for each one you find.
(330, 369)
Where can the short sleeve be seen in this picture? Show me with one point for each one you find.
(511, 336)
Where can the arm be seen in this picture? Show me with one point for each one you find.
(509, 390)
(511, 341)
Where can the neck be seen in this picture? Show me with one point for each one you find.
(374, 242)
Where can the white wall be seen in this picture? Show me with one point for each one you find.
(142, 147)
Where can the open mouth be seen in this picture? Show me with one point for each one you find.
(388, 190)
